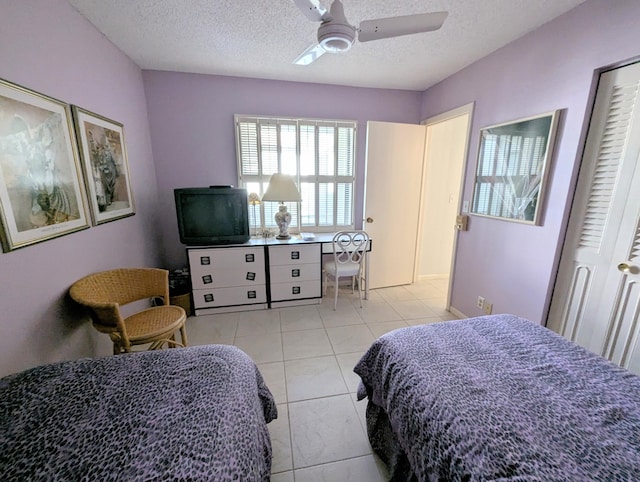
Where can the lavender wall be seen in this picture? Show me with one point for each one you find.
(50, 48)
(514, 265)
(193, 137)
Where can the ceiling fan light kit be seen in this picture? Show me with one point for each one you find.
(335, 38)
(336, 34)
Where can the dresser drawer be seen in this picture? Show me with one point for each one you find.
(236, 258)
(207, 278)
(294, 254)
(296, 290)
(295, 272)
(211, 298)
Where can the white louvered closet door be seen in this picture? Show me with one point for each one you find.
(596, 301)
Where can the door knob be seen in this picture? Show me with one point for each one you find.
(369, 220)
(624, 267)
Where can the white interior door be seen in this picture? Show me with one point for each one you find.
(445, 155)
(596, 300)
(622, 286)
(393, 183)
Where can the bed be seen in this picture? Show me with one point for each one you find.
(498, 398)
(196, 413)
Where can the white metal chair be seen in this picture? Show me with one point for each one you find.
(349, 249)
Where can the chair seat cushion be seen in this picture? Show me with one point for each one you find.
(346, 269)
(154, 323)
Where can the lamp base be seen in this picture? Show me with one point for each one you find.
(283, 218)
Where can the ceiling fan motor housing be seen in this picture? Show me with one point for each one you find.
(336, 37)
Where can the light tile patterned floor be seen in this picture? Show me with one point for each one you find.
(306, 355)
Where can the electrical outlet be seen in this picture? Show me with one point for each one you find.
(480, 302)
(488, 308)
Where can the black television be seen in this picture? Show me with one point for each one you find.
(212, 215)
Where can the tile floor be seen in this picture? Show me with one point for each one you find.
(306, 355)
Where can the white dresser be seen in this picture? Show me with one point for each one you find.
(295, 273)
(257, 275)
(223, 278)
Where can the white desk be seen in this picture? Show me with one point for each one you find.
(326, 239)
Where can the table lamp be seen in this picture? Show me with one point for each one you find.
(254, 200)
(282, 188)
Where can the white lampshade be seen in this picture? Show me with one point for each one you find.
(282, 188)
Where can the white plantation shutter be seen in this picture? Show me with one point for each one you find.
(308, 208)
(268, 148)
(248, 148)
(307, 150)
(344, 204)
(320, 154)
(326, 151)
(288, 149)
(345, 151)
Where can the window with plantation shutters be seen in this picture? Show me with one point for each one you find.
(319, 154)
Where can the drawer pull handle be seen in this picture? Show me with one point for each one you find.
(207, 279)
(295, 254)
(251, 294)
(249, 258)
(205, 260)
(251, 276)
(208, 298)
(295, 273)
(295, 290)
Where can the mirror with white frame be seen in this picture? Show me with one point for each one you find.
(513, 160)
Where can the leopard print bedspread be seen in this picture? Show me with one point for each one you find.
(192, 414)
(499, 398)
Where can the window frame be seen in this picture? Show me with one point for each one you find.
(316, 179)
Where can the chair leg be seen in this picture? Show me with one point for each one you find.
(156, 345)
(324, 285)
(353, 284)
(360, 291)
(335, 300)
(183, 335)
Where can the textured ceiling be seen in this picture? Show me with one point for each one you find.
(259, 38)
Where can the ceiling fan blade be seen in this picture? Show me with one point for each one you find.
(310, 55)
(397, 26)
(313, 10)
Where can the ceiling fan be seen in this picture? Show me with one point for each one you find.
(336, 34)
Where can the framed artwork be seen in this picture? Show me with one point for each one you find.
(512, 168)
(41, 191)
(105, 165)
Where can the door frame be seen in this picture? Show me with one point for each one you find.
(466, 109)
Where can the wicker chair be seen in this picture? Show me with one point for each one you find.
(105, 292)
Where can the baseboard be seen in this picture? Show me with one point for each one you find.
(457, 312)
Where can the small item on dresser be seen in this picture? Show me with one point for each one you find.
(308, 236)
